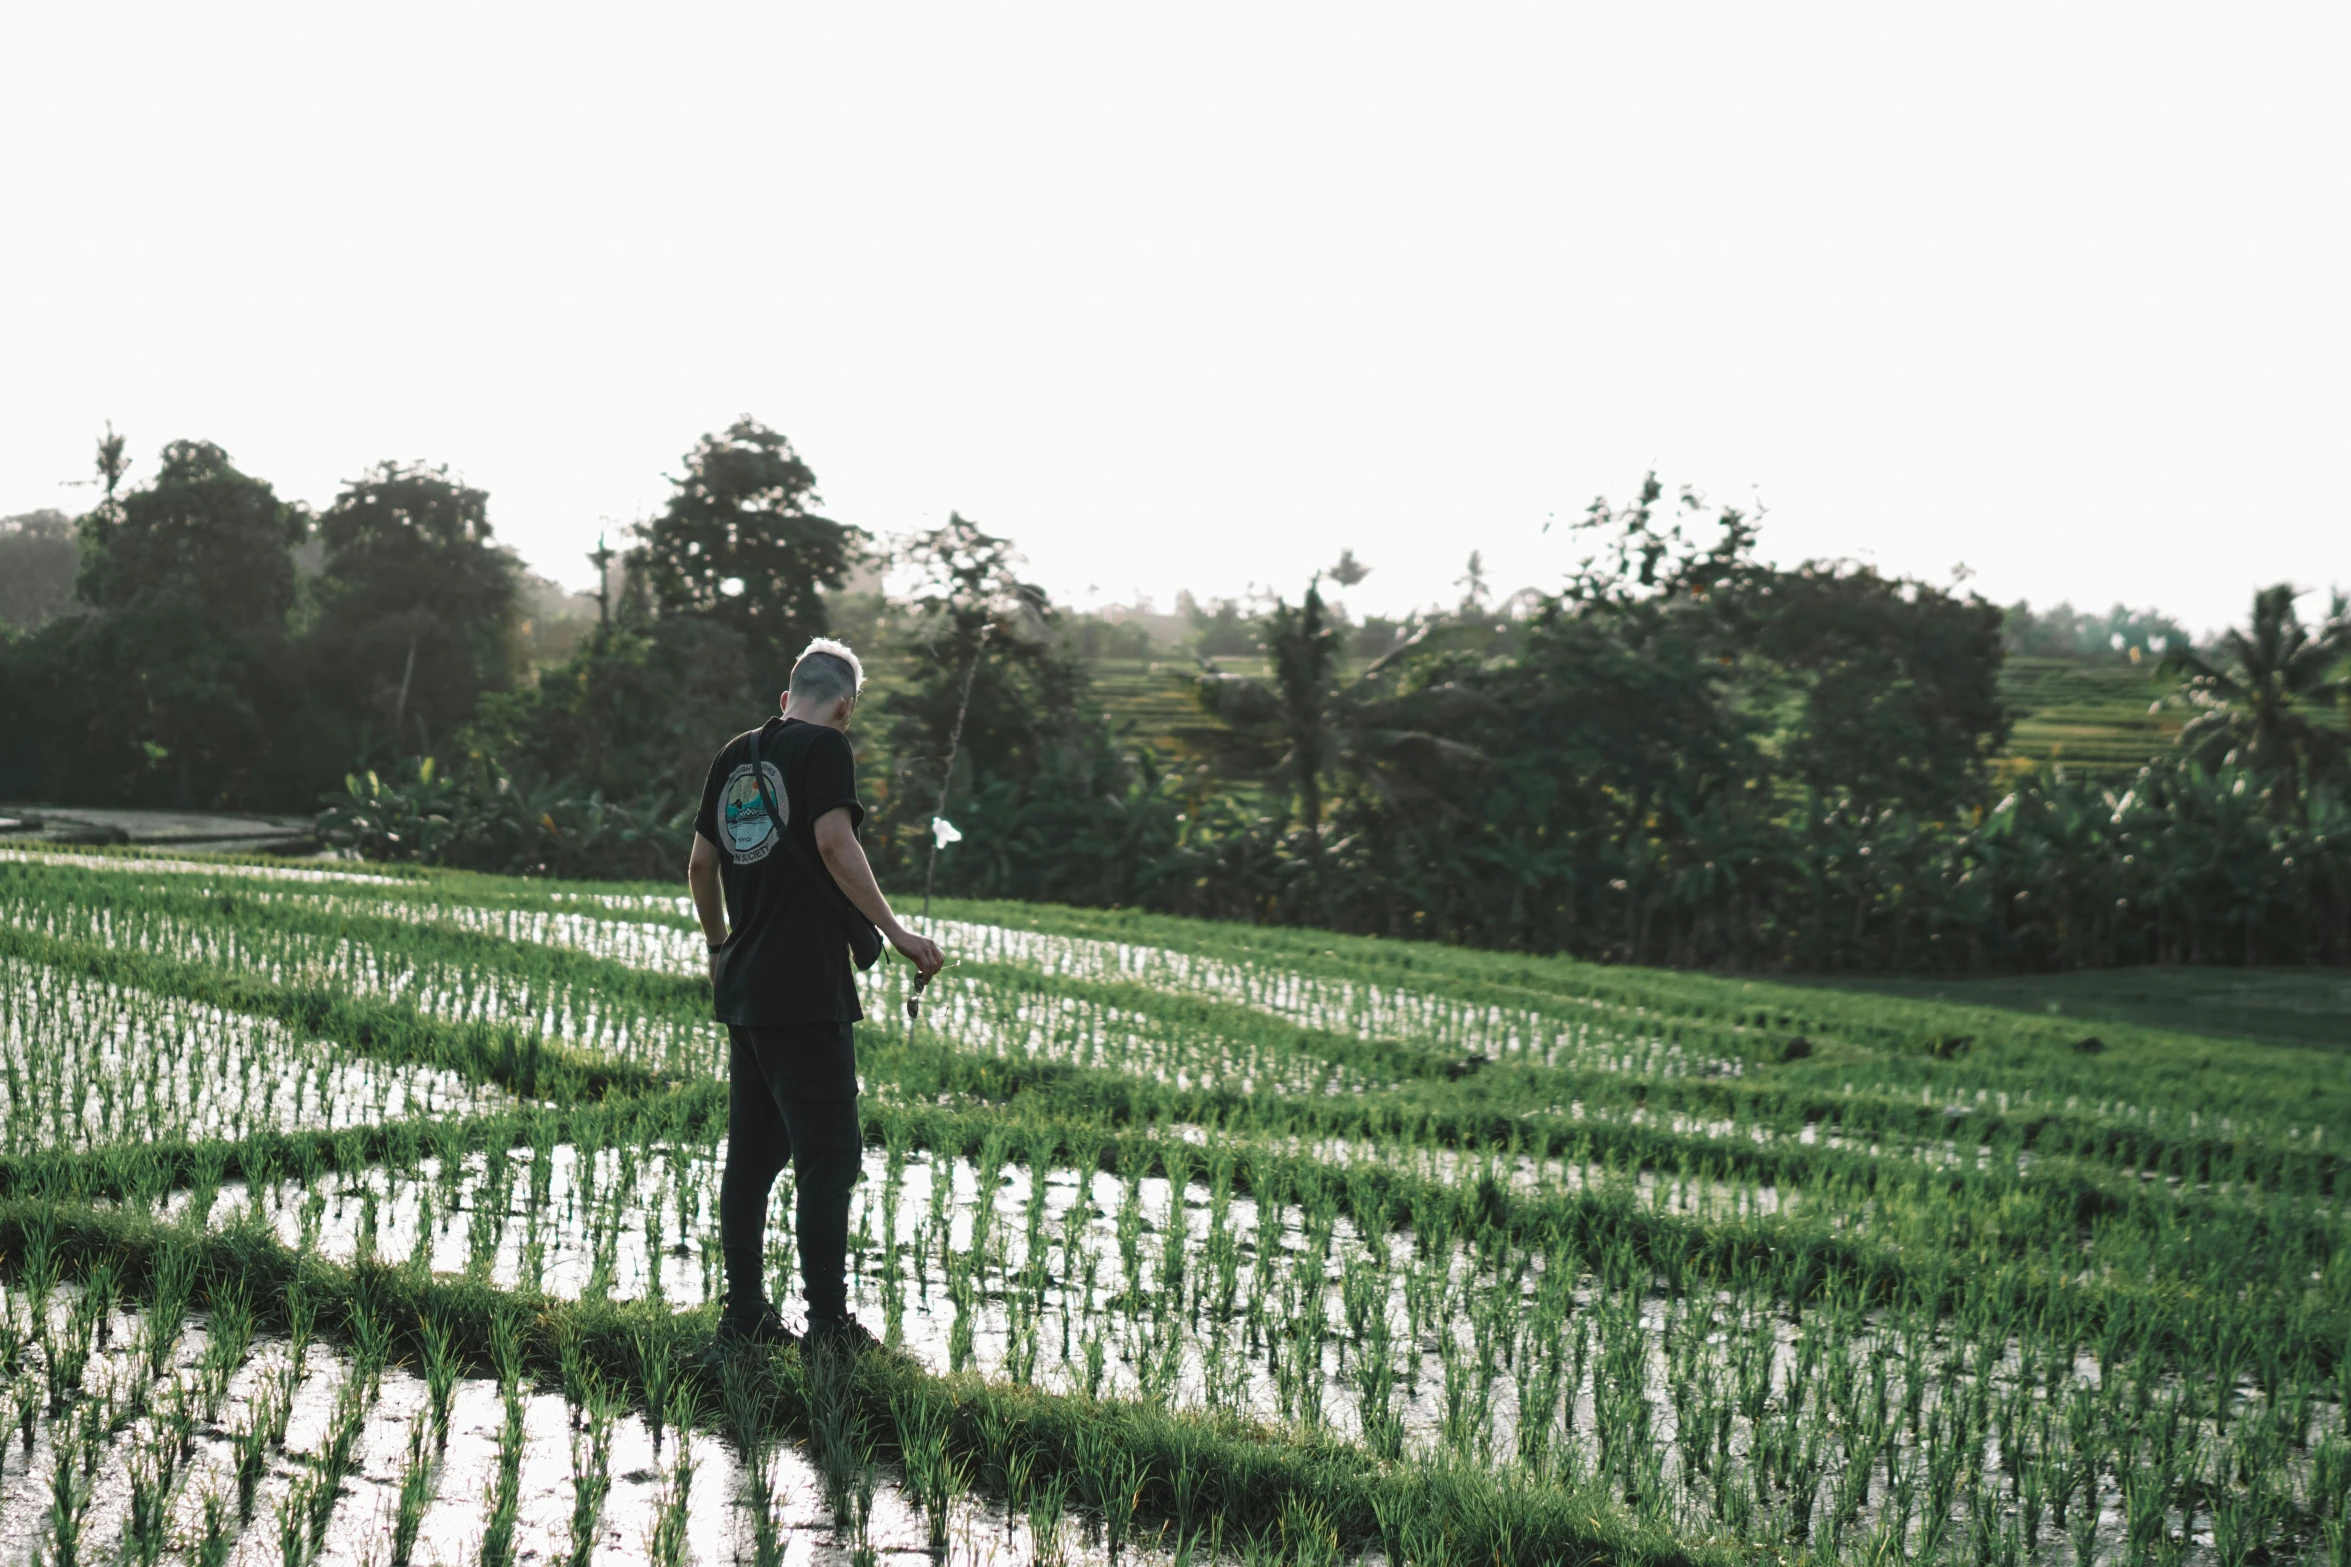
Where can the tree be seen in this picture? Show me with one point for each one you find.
(2061, 631)
(416, 604)
(1589, 767)
(973, 622)
(1224, 628)
(738, 543)
(634, 714)
(38, 559)
(1475, 590)
(194, 576)
(1306, 722)
(2257, 698)
(202, 536)
(1896, 685)
(1349, 571)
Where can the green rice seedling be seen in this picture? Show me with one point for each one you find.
(1308, 1537)
(743, 1400)
(963, 1293)
(837, 1435)
(205, 1169)
(15, 1332)
(486, 1216)
(865, 1482)
(66, 1348)
(1048, 1506)
(293, 1512)
(1096, 1352)
(1176, 1235)
(665, 1541)
(333, 1462)
(146, 1526)
(313, 1216)
(301, 1324)
(2084, 1528)
(577, 1374)
(216, 1539)
(1020, 1466)
(1095, 1474)
(1187, 1482)
(591, 1479)
(442, 1371)
(371, 1343)
(935, 1477)
(1130, 1236)
(1123, 1495)
(262, 1425)
(37, 1267)
(364, 1243)
(656, 1291)
(1262, 1548)
(496, 1547)
(657, 1373)
(415, 1494)
(228, 1341)
(998, 1437)
(171, 1285)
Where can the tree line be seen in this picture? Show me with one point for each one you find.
(1680, 755)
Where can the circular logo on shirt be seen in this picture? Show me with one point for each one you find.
(743, 823)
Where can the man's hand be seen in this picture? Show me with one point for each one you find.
(920, 951)
(710, 904)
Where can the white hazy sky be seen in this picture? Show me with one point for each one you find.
(1198, 295)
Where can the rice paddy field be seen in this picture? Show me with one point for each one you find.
(2098, 718)
(367, 1218)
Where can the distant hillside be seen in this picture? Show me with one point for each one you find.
(2088, 714)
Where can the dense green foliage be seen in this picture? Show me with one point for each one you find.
(415, 602)
(1686, 757)
(2061, 631)
(2256, 698)
(738, 546)
(38, 563)
(1301, 1242)
(1681, 755)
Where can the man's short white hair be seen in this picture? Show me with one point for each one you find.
(826, 671)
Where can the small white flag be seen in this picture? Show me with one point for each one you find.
(943, 832)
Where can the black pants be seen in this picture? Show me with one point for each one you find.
(785, 1104)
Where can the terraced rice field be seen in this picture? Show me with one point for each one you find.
(369, 1219)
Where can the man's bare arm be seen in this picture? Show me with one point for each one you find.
(710, 904)
(844, 856)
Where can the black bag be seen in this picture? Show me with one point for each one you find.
(864, 938)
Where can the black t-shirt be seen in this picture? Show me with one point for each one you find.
(786, 959)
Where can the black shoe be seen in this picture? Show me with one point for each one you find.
(765, 1331)
(841, 1335)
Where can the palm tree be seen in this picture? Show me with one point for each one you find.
(1306, 722)
(2258, 705)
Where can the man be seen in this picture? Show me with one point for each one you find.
(784, 985)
